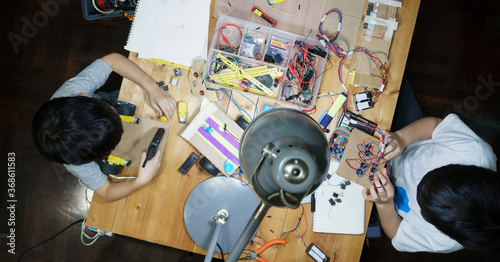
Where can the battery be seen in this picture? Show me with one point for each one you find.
(174, 81)
(363, 101)
(316, 253)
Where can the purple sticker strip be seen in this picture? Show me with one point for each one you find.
(216, 143)
(229, 138)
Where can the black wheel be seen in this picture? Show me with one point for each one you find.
(209, 167)
(125, 109)
(109, 169)
(242, 122)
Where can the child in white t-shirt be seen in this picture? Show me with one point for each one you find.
(446, 194)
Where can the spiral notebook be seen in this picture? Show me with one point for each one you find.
(173, 30)
(340, 207)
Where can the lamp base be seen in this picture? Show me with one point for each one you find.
(212, 195)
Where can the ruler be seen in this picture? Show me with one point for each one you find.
(168, 63)
(252, 79)
(235, 75)
(237, 87)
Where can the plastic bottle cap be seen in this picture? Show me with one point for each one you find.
(228, 167)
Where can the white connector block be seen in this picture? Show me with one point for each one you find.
(101, 232)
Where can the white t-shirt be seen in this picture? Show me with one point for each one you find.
(452, 142)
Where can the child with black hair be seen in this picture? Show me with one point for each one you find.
(446, 194)
(77, 127)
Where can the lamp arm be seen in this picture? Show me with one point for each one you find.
(213, 242)
(248, 232)
(220, 218)
(267, 151)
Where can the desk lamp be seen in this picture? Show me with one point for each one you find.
(216, 211)
(285, 156)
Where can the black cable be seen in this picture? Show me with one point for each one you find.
(221, 253)
(52, 237)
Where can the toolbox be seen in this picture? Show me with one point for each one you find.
(269, 56)
(124, 8)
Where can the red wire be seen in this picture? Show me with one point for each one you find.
(223, 37)
(189, 166)
(305, 218)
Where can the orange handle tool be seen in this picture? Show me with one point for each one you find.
(270, 243)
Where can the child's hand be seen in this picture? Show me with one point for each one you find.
(382, 192)
(149, 171)
(393, 145)
(162, 102)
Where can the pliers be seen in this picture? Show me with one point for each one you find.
(256, 254)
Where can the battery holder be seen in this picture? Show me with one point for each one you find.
(363, 101)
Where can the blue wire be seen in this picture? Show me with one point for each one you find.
(380, 53)
(256, 108)
(237, 106)
(369, 64)
(296, 229)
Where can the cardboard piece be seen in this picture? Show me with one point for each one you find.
(352, 12)
(135, 137)
(196, 82)
(215, 135)
(379, 25)
(351, 152)
(299, 17)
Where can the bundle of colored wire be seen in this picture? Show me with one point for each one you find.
(304, 67)
(370, 156)
(329, 43)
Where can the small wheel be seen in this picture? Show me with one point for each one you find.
(209, 167)
(109, 169)
(242, 122)
(125, 109)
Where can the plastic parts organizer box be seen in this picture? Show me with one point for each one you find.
(240, 49)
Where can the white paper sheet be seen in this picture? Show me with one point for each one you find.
(345, 217)
(172, 30)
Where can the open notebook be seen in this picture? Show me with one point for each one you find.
(173, 30)
(340, 207)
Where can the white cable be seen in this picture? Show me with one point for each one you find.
(122, 177)
(98, 234)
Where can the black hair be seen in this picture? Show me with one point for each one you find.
(463, 202)
(76, 130)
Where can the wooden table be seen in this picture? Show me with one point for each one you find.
(155, 212)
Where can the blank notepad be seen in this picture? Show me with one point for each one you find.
(173, 30)
(347, 215)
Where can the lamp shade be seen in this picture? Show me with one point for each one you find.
(297, 160)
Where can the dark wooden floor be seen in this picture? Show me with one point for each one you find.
(453, 65)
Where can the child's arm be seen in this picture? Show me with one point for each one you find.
(160, 100)
(382, 194)
(114, 191)
(417, 131)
